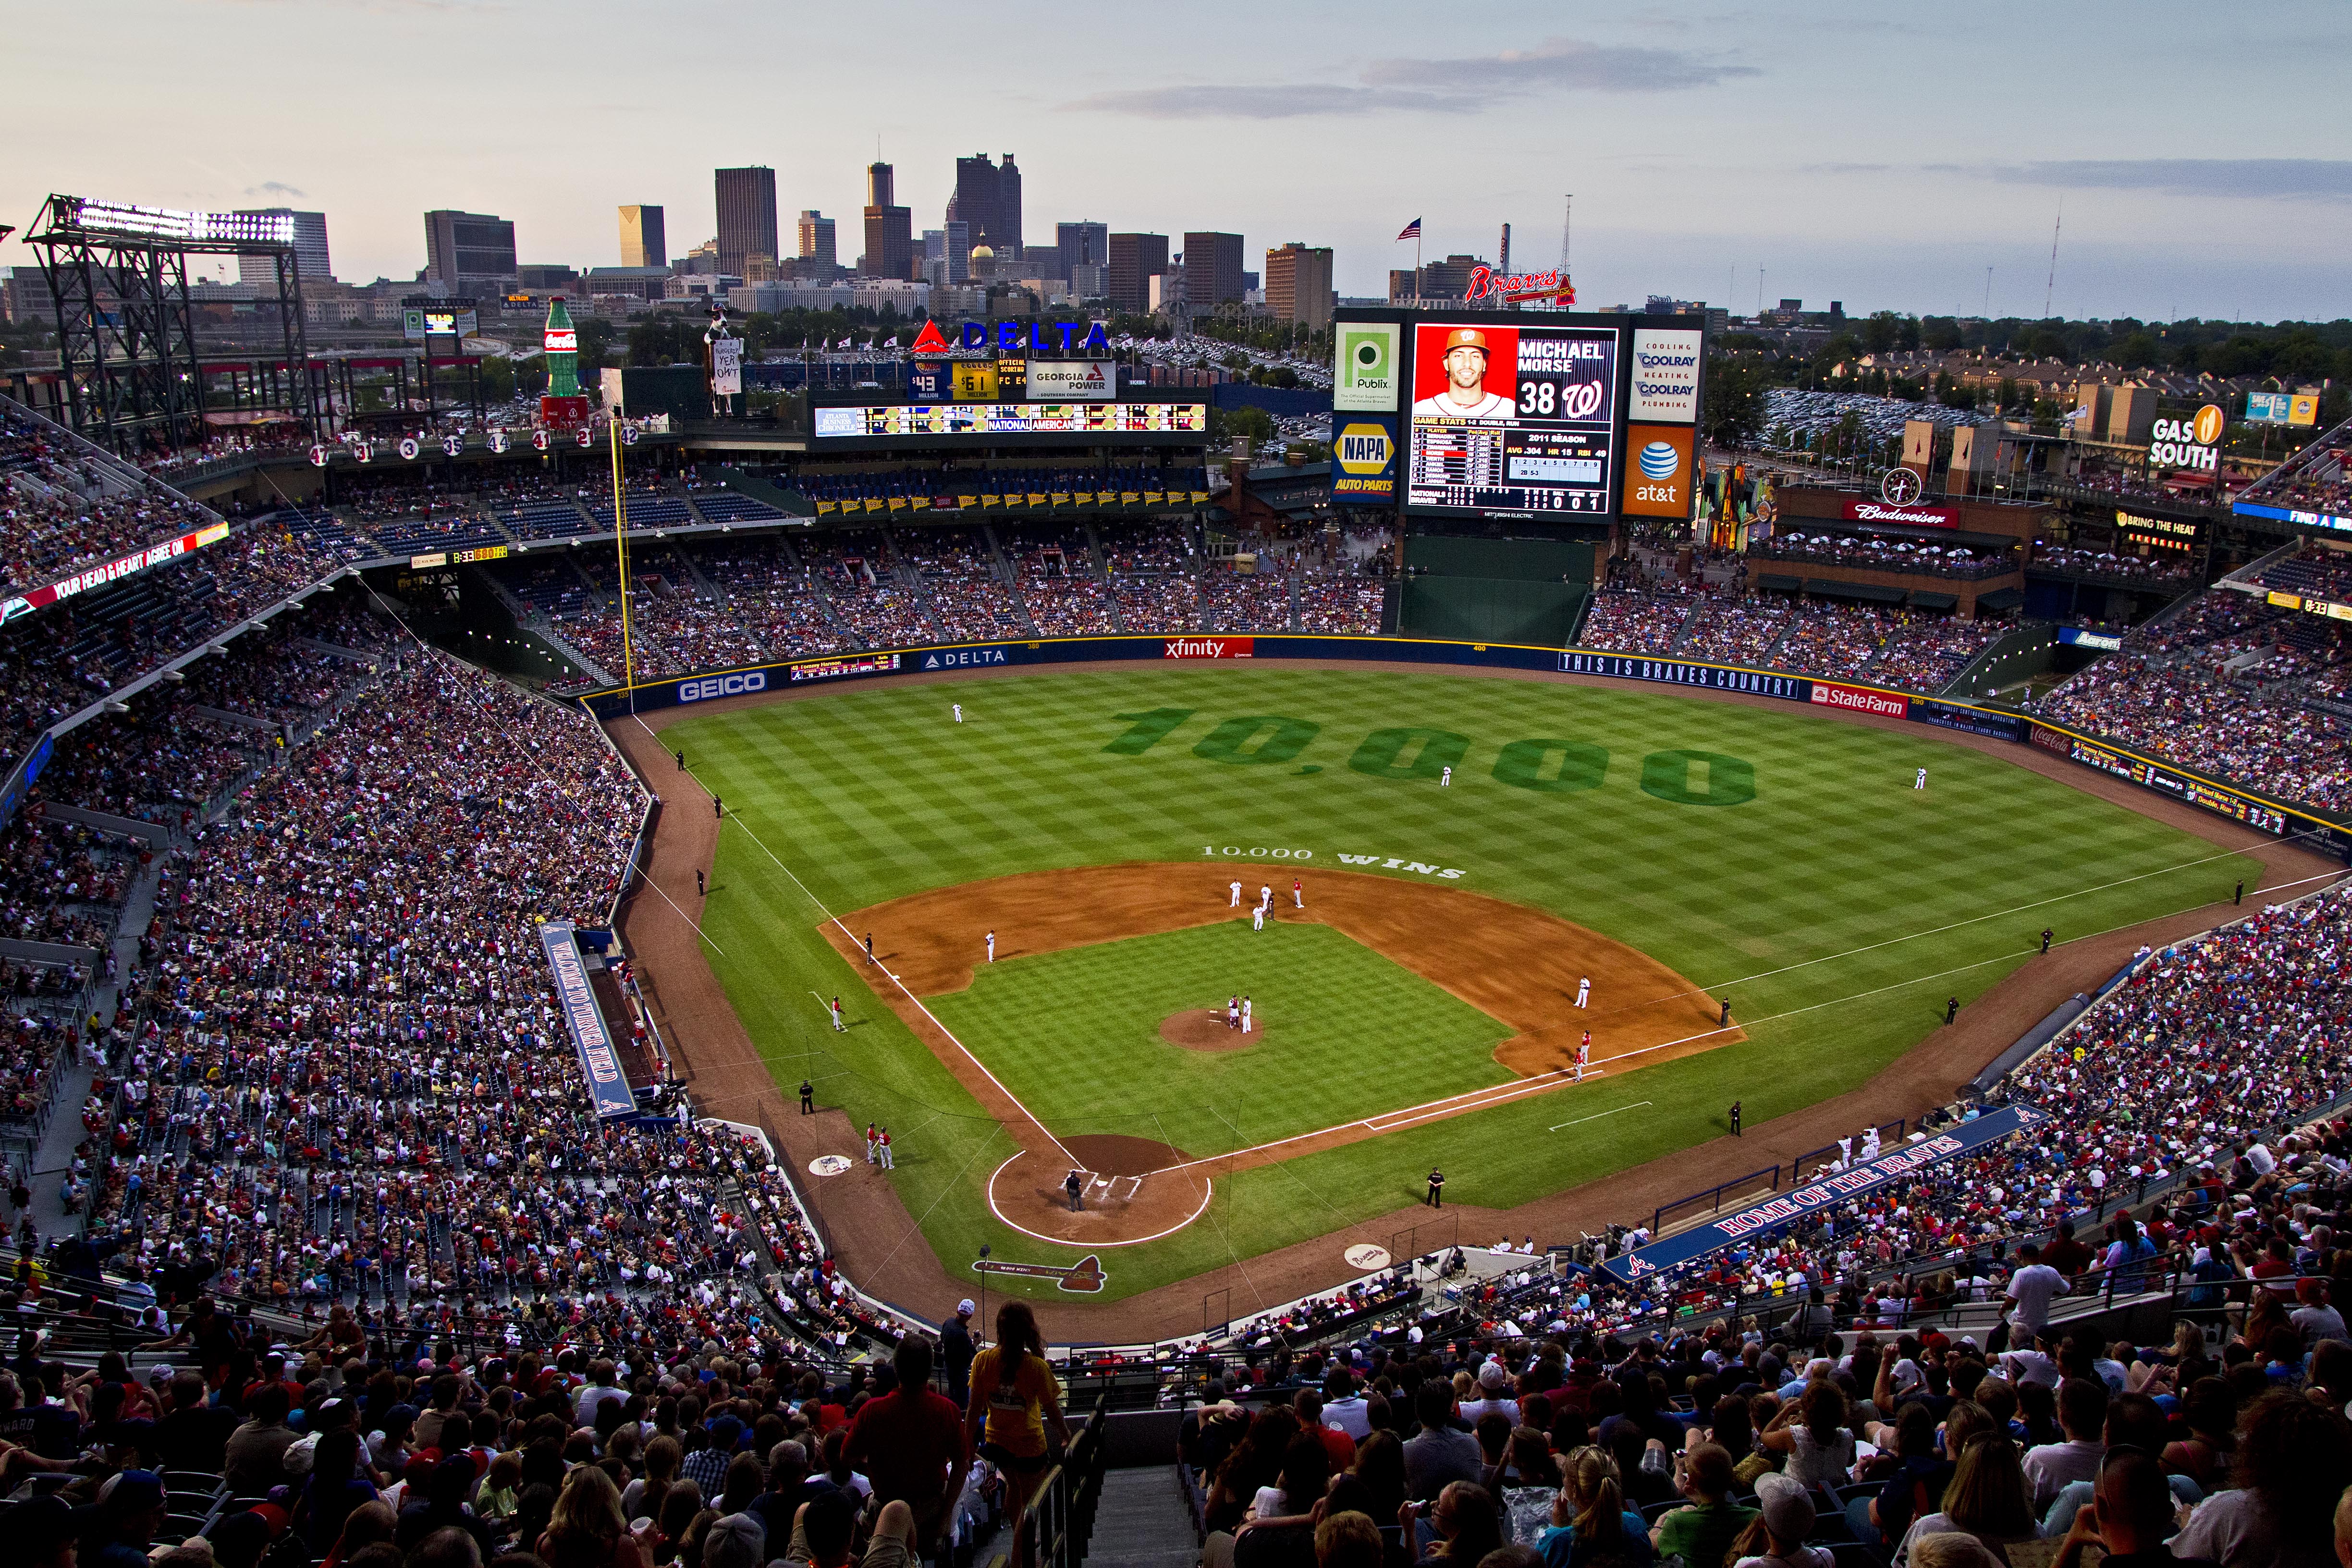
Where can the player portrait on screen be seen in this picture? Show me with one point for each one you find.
(1465, 395)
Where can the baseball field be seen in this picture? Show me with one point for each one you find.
(1413, 999)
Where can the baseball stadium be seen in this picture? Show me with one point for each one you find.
(647, 884)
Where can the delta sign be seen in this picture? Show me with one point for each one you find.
(1012, 339)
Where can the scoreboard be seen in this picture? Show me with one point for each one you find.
(884, 420)
(1514, 418)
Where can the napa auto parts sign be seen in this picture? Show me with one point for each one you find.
(1861, 699)
(1209, 647)
(1665, 377)
(121, 566)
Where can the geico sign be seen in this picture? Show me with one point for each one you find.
(712, 686)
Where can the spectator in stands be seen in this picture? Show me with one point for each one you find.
(1590, 1521)
(2081, 1415)
(910, 1444)
(256, 1450)
(1015, 1419)
(1811, 1429)
(2294, 1460)
(1987, 1499)
(1703, 1529)
(1441, 1452)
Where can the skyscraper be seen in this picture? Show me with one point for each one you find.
(1133, 260)
(468, 252)
(1212, 268)
(890, 228)
(947, 254)
(309, 248)
(1298, 284)
(747, 216)
(816, 240)
(643, 242)
(1085, 256)
(988, 200)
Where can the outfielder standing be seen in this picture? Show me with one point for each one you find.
(1445, 779)
(992, 947)
(1921, 781)
(1583, 990)
(1237, 894)
(959, 710)
(838, 1026)
(1298, 893)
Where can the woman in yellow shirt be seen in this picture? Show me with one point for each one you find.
(1015, 1404)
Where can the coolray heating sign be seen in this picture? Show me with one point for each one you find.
(1675, 672)
(1209, 647)
(1665, 377)
(120, 566)
(606, 1086)
(1859, 511)
(715, 686)
(1784, 1208)
(835, 668)
(2191, 445)
(1860, 699)
(965, 658)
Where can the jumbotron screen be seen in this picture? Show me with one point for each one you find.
(868, 421)
(1513, 419)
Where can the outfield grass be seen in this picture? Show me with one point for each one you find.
(1838, 906)
(1075, 1035)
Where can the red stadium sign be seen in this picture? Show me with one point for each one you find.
(1861, 699)
(1858, 509)
(1209, 647)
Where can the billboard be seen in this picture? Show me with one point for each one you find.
(2282, 408)
(1665, 377)
(872, 421)
(1658, 464)
(441, 318)
(1363, 460)
(975, 381)
(1516, 421)
(2191, 445)
(1072, 380)
(727, 367)
(1365, 368)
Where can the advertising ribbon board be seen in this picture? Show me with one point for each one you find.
(98, 576)
(1677, 672)
(1783, 1208)
(607, 1087)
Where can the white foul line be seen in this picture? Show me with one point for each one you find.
(1597, 1115)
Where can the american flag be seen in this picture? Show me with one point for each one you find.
(1410, 230)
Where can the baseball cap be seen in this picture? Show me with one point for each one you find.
(1465, 338)
(1788, 1512)
(1492, 1376)
(965, 1308)
(132, 1489)
(735, 1541)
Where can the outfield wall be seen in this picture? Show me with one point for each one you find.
(2239, 806)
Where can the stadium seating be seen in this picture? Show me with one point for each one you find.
(2314, 480)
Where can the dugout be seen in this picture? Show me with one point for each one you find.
(1493, 590)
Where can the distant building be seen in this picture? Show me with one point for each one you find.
(890, 228)
(1212, 268)
(638, 282)
(1085, 250)
(816, 239)
(470, 253)
(747, 215)
(309, 249)
(947, 254)
(547, 276)
(1170, 291)
(1298, 284)
(1132, 260)
(987, 200)
(1446, 279)
(643, 242)
(1042, 261)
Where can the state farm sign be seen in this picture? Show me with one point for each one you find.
(1209, 647)
(1857, 699)
(1859, 510)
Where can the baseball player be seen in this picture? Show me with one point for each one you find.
(869, 947)
(992, 947)
(1583, 1054)
(1298, 893)
(1584, 990)
(1845, 1153)
(838, 1026)
(1921, 781)
(1445, 779)
(1245, 1015)
(872, 1133)
(1237, 894)
(1257, 918)
(808, 1097)
(1265, 897)
(959, 710)
(700, 892)
(1232, 1011)
(882, 1146)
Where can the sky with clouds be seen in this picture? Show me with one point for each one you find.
(1880, 155)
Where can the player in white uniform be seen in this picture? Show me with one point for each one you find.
(959, 710)
(838, 1028)
(992, 947)
(1245, 1015)
(1445, 779)
(1465, 395)
(1257, 918)
(1583, 990)
(1921, 781)
(1265, 897)
(1237, 894)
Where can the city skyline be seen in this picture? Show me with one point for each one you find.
(1730, 159)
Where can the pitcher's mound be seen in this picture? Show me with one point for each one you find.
(1204, 1029)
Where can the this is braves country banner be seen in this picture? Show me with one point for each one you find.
(1783, 1207)
(606, 1086)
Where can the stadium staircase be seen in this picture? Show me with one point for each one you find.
(1143, 1521)
(1009, 577)
(1687, 624)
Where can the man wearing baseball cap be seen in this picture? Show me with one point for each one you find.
(1464, 393)
(955, 1351)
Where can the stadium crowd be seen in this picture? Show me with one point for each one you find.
(1889, 554)
(63, 507)
(2082, 561)
(2314, 479)
(1916, 650)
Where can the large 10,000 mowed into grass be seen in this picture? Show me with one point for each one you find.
(1777, 856)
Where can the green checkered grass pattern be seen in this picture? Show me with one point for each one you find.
(1042, 1025)
(1837, 908)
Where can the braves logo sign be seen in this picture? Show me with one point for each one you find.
(1486, 283)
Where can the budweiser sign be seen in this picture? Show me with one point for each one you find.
(1861, 699)
(1209, 647)
(1486, 283)
(1858, 509)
